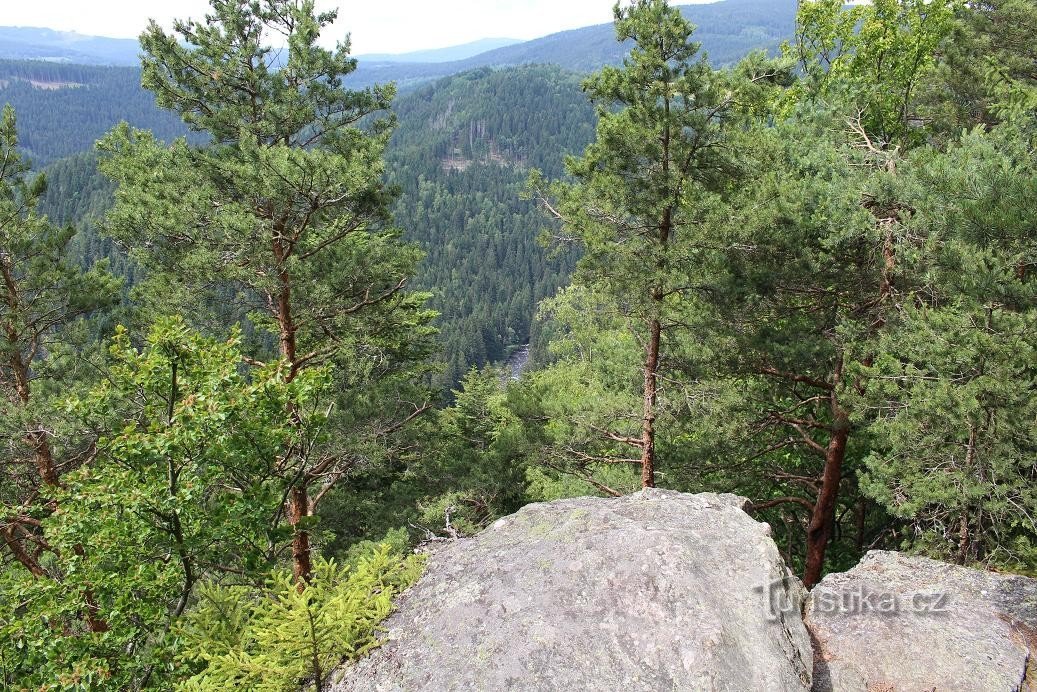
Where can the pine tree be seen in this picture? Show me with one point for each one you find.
(951, 398)
(281, 218)
(988, 67)
(642, 187)
(42, 294)
(827, 234)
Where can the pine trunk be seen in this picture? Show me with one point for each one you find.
(822, 521)
(48, 471)
(36, 439)
(651, 390)
(299, 499)
(17, 549)
(301, 561)
(651, 366)
(41, 451)
(94, 622)
(964, 534)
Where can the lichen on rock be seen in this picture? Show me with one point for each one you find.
(655, 591)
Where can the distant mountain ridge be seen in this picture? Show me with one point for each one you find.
(448, 54)
(728, 29)
(58, 121)
(50, 45)
(34, 43)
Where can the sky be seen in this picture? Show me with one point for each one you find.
(377, 26)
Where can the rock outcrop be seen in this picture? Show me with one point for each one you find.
(665, 591)
(904, 623)
(654, 591)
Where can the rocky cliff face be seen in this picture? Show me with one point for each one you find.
(666, 591)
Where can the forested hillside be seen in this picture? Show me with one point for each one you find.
(461, 156)
(727, 30)
(67, 108)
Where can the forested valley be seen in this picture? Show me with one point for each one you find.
(250, 341)
(460, 156)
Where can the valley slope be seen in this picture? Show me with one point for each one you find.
(469, 132)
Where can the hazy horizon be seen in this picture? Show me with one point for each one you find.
(401, 26)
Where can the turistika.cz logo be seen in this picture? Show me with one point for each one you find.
(856, 601)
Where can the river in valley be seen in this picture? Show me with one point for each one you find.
(517, 362)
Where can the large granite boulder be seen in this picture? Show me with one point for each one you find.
(654, 591)
(896, 624)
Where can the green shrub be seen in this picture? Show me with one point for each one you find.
(280, 638)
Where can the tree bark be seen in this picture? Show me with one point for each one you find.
(860, 523)
(49, 476)
(301, 560)
(283, 307)
(651, 366)
(36, 439)
(819, 530)
(299, 499)
(964, 534)
(44, 457)
(651, 393)
(39, 443)
(20, 553)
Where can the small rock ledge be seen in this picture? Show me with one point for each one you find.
(895, 622)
